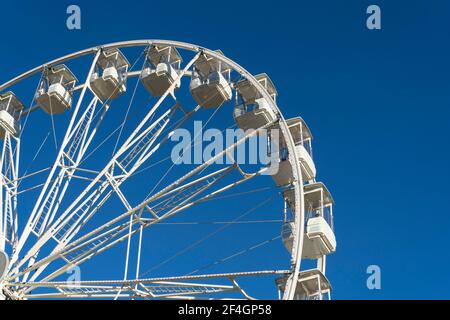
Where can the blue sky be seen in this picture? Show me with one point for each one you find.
(376, 101)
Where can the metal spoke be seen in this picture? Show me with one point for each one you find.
(133, 153)
(50, 192)
(150, 288)
(9, 168)
(115, 231)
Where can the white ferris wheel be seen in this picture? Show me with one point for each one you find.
(88, 181)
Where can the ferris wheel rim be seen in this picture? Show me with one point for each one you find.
(296, 255)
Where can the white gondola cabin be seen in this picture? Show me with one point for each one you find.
(303, 144)
(312, 285)
(251, 110)
(319, 238)
(161, 69)
(210, 82)
(108, 81)
(10, 110)
(54, 95)
(3, 264)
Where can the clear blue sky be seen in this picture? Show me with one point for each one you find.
(378, 103)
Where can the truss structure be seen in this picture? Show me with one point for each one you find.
(59, 231)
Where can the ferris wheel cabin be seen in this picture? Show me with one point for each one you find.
(108, 81)
(4, 260)
(319, 238)
(210, 82)
(303, 145)
(161, 69)
(251, 110)
(10, 110)
(54, 95)
(312, 285)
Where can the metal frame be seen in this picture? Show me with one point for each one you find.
(9, 172)
(182, 287)
(115, 173)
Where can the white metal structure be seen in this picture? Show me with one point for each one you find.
(10, 110)
(109, 79)
(251, 109)
(160, 72)
(84, 207)
(302, 139)
(319, 236)
(210, 82)
(54, 95)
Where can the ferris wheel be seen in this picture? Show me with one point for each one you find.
(89, 181)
